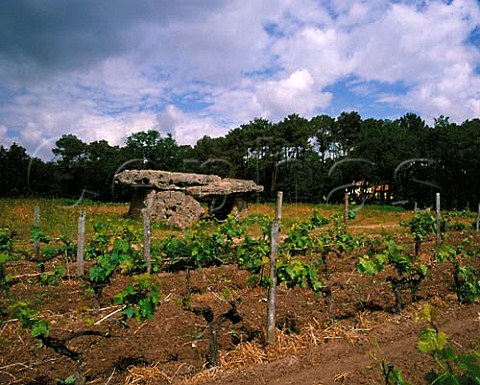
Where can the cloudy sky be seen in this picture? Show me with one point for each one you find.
(106, 69)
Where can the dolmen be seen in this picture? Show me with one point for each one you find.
(175, 197)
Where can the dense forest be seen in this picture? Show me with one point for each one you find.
(398, 162)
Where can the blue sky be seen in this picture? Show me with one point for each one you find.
(103, 70)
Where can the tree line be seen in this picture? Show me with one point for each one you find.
(400, 161)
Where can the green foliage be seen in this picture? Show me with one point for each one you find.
(451, 220)
(305, 250)
(70, 380)
(206, 245)
(51, 249)
(63, 246)
(252, 253)
(286, 155)
(458, 226)
(352, 214)
(335, 241)
(123, 257)
(6, 241)
(103, 269)
(107, 233)
(421, 225)
(6, 248)
(392, 375)
(452, 368)
(297, 263)
(431, 340)
(37, 235)
(388, 208)
(218, 246)
(466, 278)
(5, 279)
(410, 272)
(469, 288)
(51, 278)
(207, 248)
(140, 299)
(162, 153)
(465, 213)
(232, 228)
(301, 239)
(296, 271)
(392, 253)
(99, 243)
(172, 253)
(69, 246)
(29, 320)
(372, 265)
(318, 220)
(113, 249)
(231, 242)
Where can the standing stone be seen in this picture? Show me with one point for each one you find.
(174, 208)
(137, 202)
(174, 197)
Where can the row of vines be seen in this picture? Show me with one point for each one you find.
(307, 254)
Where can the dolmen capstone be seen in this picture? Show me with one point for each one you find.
(174, 197)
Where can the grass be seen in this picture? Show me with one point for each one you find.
(370, 218)
(56, 217)
(60, 217)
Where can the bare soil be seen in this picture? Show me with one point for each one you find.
(340, 340)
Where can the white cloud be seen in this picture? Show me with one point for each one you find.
(474, 105)
(295, 94)
(216, 48)
(455, 95)
(412, 45)
(186, 128)
(321, 51)
(425, 49)
(4, 134)
(196, 70)
(236, 105)
(81, 104)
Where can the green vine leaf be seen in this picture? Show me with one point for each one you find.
(40, 328)
(431, 340)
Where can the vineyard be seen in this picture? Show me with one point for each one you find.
(384, 296)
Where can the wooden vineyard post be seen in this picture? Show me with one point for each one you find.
(437, 211)
(36, 224)
(278, 210)
(146, 240)
(36, 245)
(36, 216)
(274, 241)
(478, 219)
(346, 208)
(81, 245)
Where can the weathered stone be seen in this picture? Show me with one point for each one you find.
(224, 187)
(137, 202)
(174, 208)
(164, 180)
(173, 197)
(225, 205)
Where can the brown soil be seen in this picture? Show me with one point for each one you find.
(314, 346)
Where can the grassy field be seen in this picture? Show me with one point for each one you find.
(60, 217)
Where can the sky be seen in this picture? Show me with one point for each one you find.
(107, 69)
